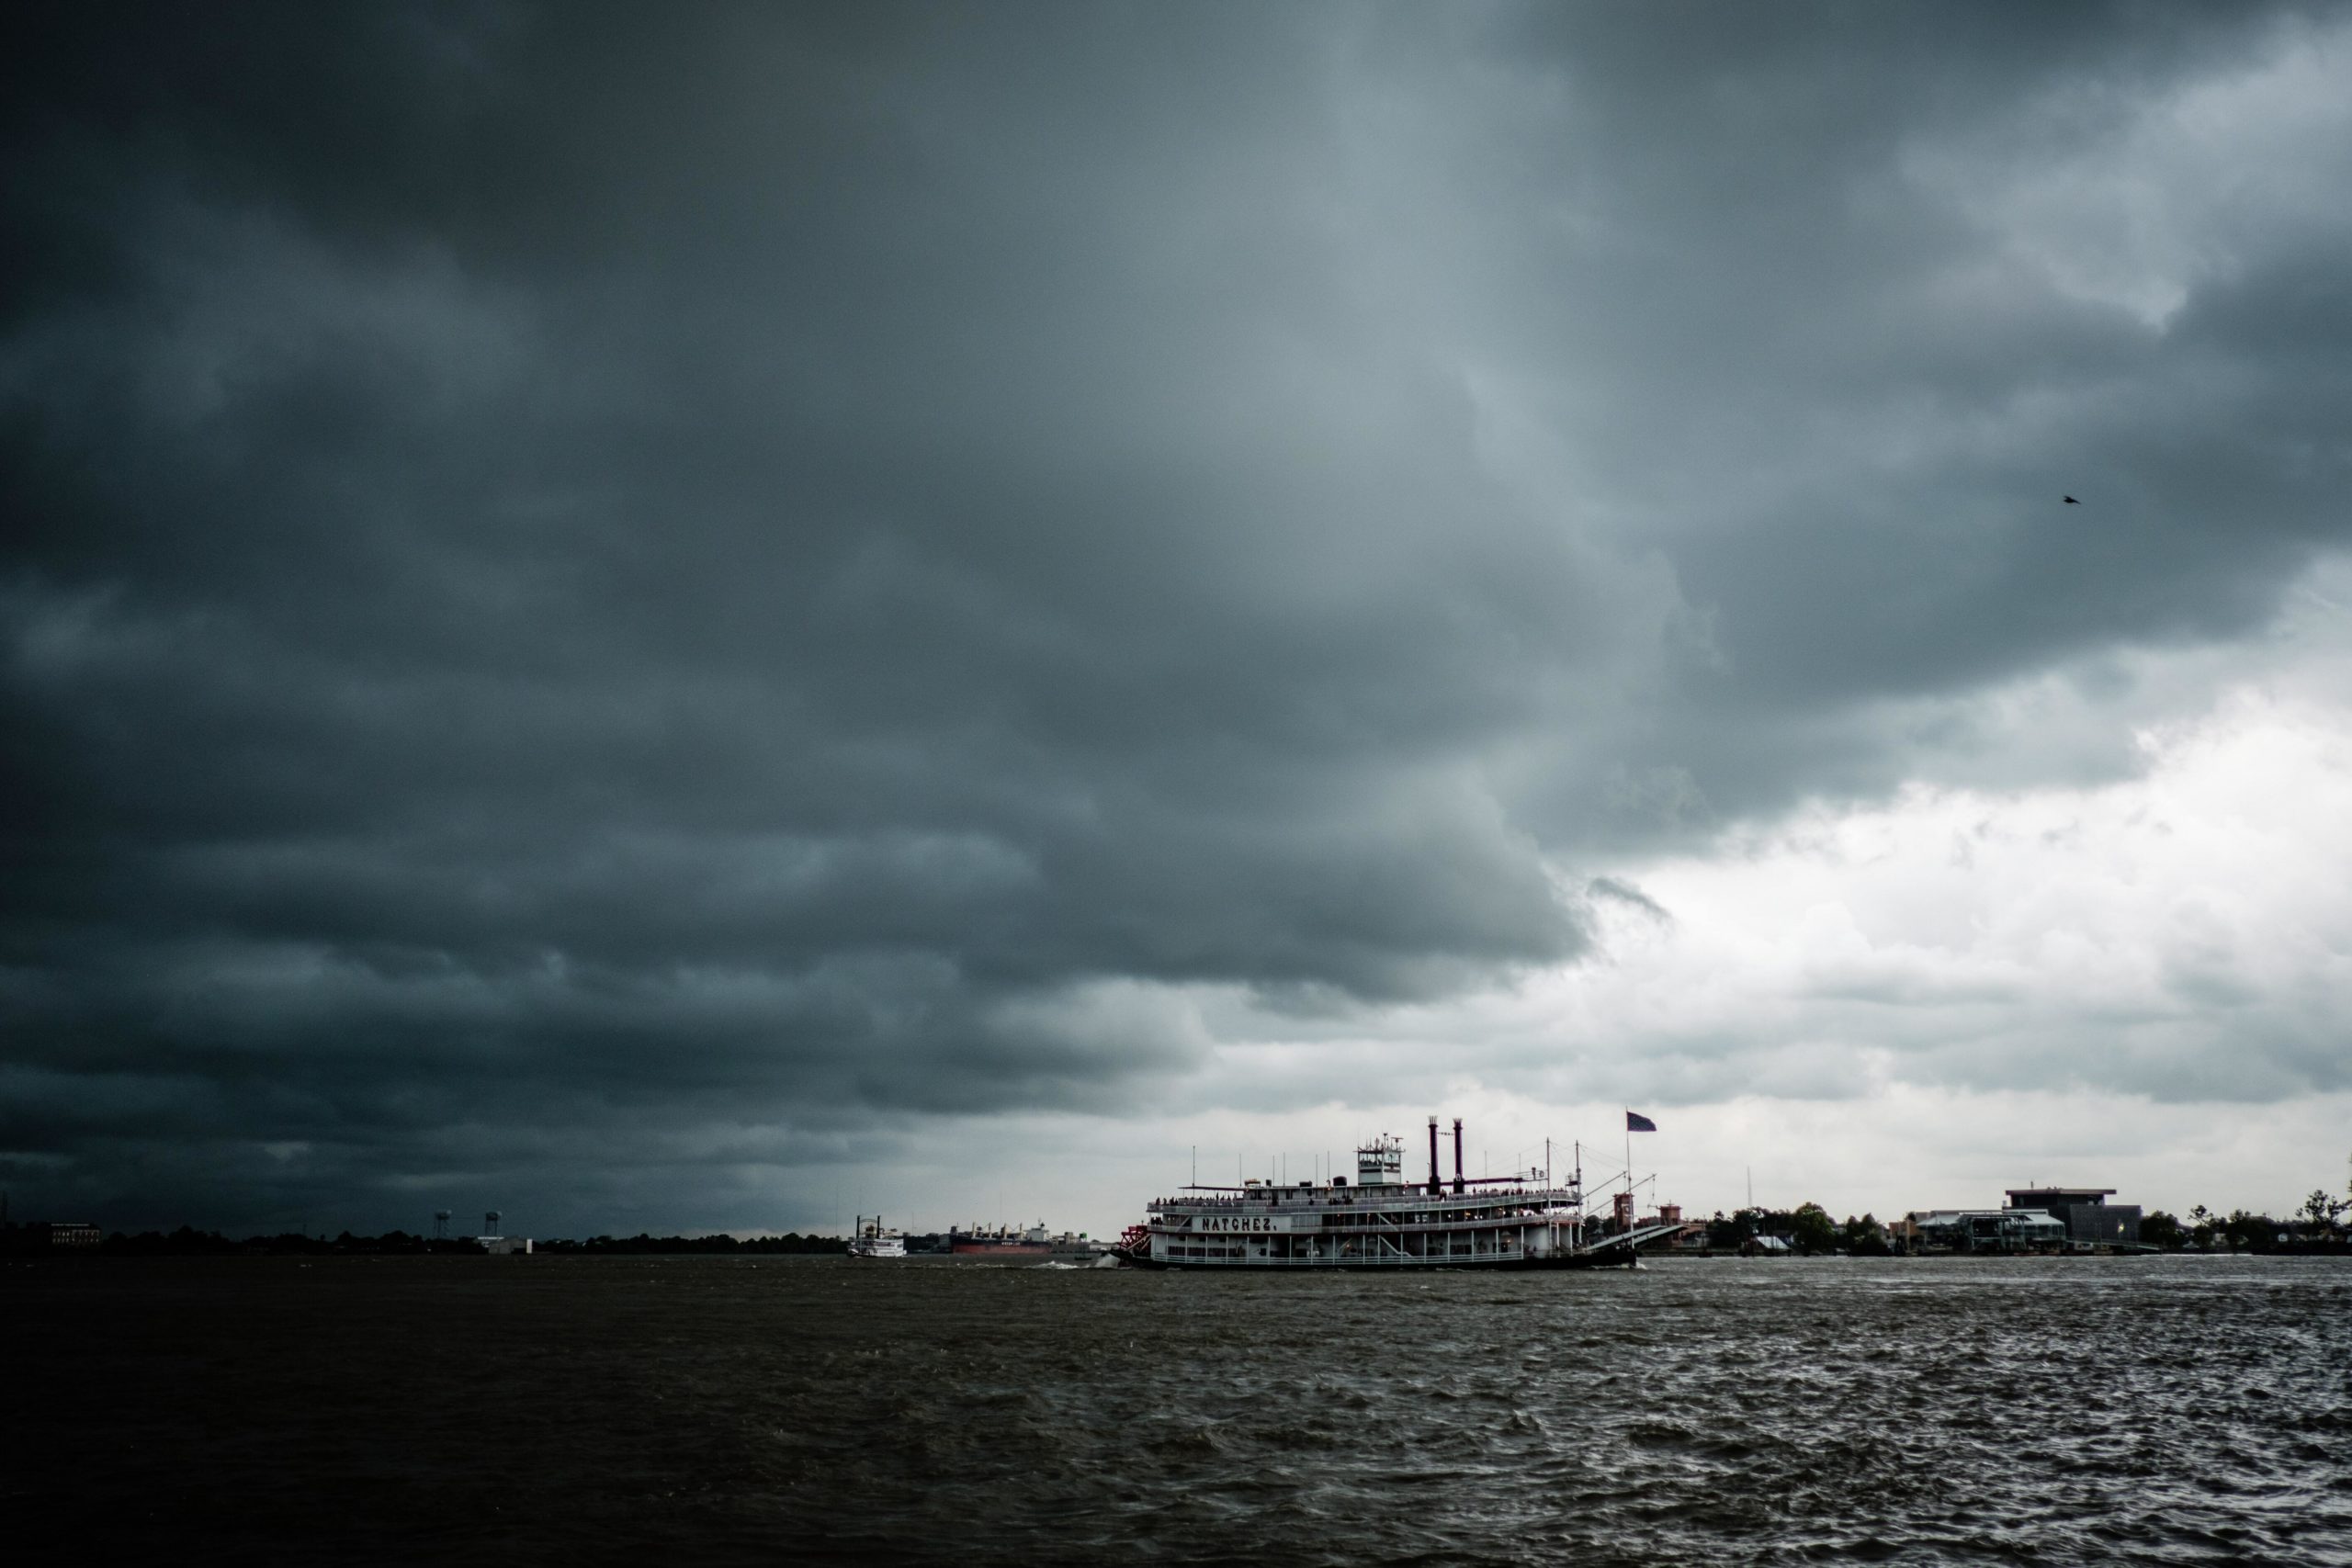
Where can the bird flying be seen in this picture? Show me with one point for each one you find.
(2072, 502)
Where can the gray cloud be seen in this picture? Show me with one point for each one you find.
(584, 584)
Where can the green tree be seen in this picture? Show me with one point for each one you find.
(1730, 1233)
(1812, 1228)
(2249, 1233)
(2160, 1229)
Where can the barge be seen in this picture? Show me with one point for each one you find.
(1025, 1244)
(1525, 1220)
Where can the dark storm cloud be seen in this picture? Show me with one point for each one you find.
(575, 578)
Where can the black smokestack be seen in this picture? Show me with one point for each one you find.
(1458, 1186)
(1436, 1187)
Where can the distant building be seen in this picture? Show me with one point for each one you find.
(2083, 1211)
(1690, 1235)
(496, 1243)
(50, 1235)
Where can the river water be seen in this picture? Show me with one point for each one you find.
(2036, 1411)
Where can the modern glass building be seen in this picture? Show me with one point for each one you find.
(1988, 1230)
(2085, 1210)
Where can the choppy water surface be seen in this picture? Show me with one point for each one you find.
(2189, 1410)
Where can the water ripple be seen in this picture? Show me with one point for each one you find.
(2058, 1411)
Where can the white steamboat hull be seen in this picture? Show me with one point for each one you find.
(1326, 1228)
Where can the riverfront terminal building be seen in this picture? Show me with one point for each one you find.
(2035, 1219)
(2084, 1212)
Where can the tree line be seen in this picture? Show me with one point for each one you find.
(1808, 1228)
(721, 1245)
(2318, 1227)
(188, 1242)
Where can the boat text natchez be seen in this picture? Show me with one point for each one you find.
(1381, 1222)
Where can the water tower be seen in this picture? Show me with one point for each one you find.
(490, 1223)
(440, 1225)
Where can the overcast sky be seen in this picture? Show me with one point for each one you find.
(712, 617)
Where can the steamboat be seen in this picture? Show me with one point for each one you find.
(1381, 1222)
(870, 1240)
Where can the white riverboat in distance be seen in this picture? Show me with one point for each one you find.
(1381, 1222)
(868, 1239)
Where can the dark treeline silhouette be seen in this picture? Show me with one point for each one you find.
(189, 1242)
(2317, 1226)
(790, 1241)
(1808, 1229)
(41, 1239)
